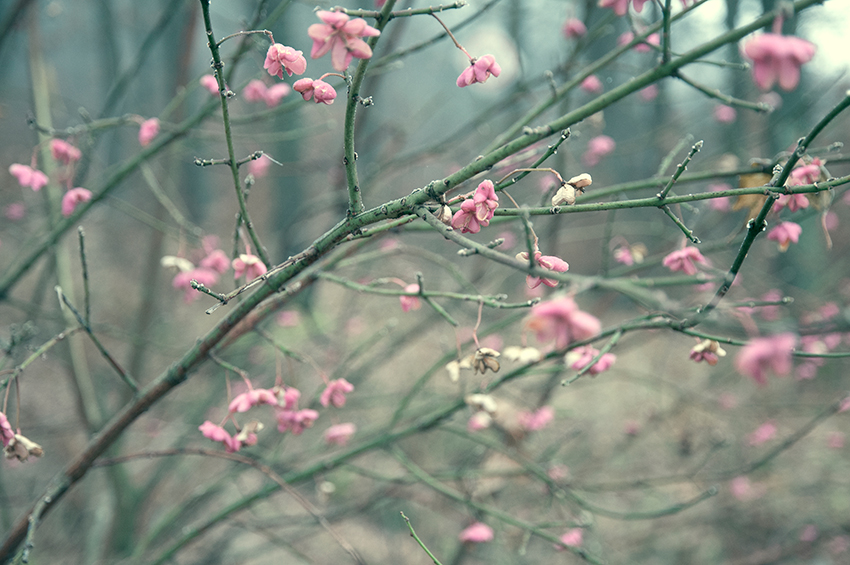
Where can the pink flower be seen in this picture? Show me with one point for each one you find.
(763, 434)
(597, 148)
(72, 198)
(323, 92)
(719, 204)
(409, 303)
(579, 358)
(778, 58)
(64, 152)
(794, 202)
(249, 265)
(477, 212)
(210, 83)
(27, 176)
(574, 28)
(340, 433)
(725, 114)
(335, 393)
(548, 262)
(532, 421)
(805, 174)
(620, 7)
(254, 397)
(276, 93)
(15, 211)
(259, 167)
(206, 277)
(743, 489)
(683, 260)
(478, 532)
(572, 538)
(217, 433)
(561, 320)
(7, 434)
(623, 254)
(295, 421)
(288, 397)
(479, 70)
(147, 131)
(255, 91)
(280, 58)
(217, 261)
(707, 350)
(479, 421)
(785, 234)
(342, 37)
(592, 84)
(764, 354)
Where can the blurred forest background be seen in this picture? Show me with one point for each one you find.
(654, 459)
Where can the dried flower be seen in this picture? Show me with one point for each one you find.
(20, 448)
(485, 358)
(707, 350)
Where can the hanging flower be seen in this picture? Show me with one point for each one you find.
(342, 37)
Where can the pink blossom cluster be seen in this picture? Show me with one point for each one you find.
(320, 91)
(208, 271)
(581, 357)
(479, 70)
(335, 392)
(280, 59)
(785, 233)
(342, 37)
(65, 154)
(766, 354)
(778, 58)
(339, 434)
(548, 262)
(684, 260)
(249, 265)
(257, 91)
(572, 538)
(562, 320)
(478, 212)
(479, 532)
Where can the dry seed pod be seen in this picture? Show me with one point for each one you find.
(485, 358)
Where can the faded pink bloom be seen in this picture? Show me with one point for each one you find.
(148, 131)
(479, 70)
(217, 261)
(809, 533)
(64, 152)
(217, 433)
(478, 212)
(683, 260)
(288, 318)
(295, 421)
(643, 46)
(72, 198)
(537, 420)
(206, 277)
(574, 28)
(548, 262)
(342, 37)
(778, 58)
(794, 202)
(210, 83)
(785, 234)
(323, 92)
(620, 7)
(7, 434)
(335, 393)
(719, 204)
(275, 93)
(248, 265)
(743, 489)
(27, 176)
(597, 148)
(288, 397)
(479, 421)
(561, 320)
(255, 91)
(573, 538)
(579, 358)
(649, 93)
(254, 397)
(280, 58)
(835, 440)
(340, 433)
(763, 433)
(478, 532)
(259, 167)
(725, 114)
(409, 303)
(805, 174)
(15, 211)
(592, 84)
(764, 354)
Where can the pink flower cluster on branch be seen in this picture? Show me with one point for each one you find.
(28, 176)
(778, 58)
(684, 259)
(479, 70)
(548, 262)
(478, 212)
(766, 354)
(342, 37)
(280, 59)
(561, 320)
(320, 91)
